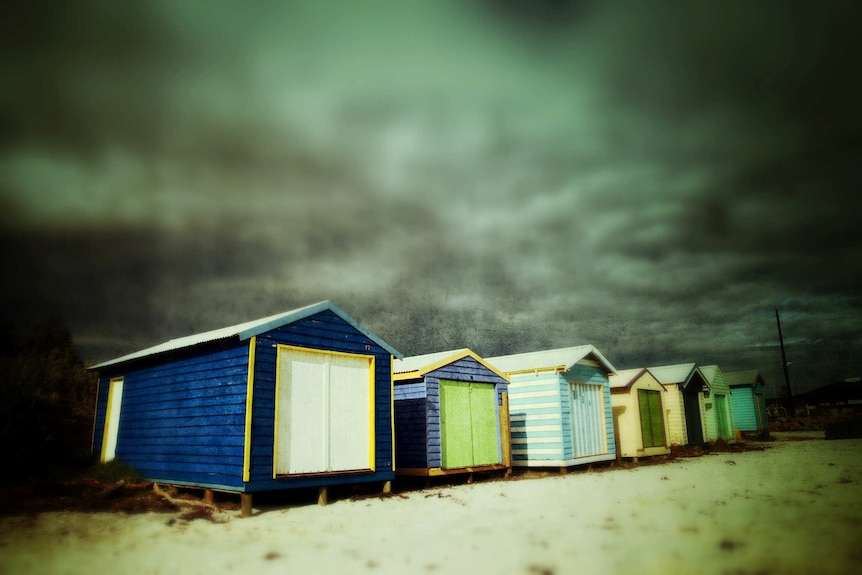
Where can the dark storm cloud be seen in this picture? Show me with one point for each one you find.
(654, 178)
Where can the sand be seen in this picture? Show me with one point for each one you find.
(795, 507)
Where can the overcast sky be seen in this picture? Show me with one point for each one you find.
(654, 178)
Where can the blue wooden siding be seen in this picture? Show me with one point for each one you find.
(435, 435)
(535, 417)
(325, 331)
(183, 421)
(411, 425)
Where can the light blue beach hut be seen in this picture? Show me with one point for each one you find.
(559, 406)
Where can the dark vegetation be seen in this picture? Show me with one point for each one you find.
(47, 398)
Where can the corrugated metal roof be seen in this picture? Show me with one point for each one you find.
(418, 365)
(673, 374)
(747, 377)
(564, 357)
(246, 330)
(626, 377)
(417, 362)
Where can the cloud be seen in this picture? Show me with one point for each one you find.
(654, 179)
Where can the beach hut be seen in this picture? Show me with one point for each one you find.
(559, 406)
(718, 410)
(298, 399)
(450, 415)
(747, 399)
(640, 419)
(684, 401)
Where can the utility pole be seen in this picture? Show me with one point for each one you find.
(789, 405)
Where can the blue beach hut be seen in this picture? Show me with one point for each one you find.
(450, 415)
(559, 406)
(298, 399)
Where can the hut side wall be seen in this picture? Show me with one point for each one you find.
(411, 425)
(536, 418)
(323, 331)
(182, 421)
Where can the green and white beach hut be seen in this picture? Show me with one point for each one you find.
(719, 411)
(559, 406)
(640, 419)
(748, 399)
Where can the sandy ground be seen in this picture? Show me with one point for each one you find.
(795, 507)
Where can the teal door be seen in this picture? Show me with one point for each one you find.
(468, 424)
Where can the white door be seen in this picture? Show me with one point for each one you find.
(112, 419)
(325, 412)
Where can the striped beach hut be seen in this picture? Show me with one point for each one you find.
(719, 412)
(298, 399)
(748, 399)
(559, 406)
(640, 419)
(684, 401)
(450, 415)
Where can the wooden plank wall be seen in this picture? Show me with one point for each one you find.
(535, 417)
(184, 420)
(327, 331)
(744, 414)
(411, 425)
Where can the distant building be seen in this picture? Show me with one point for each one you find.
(833, 399)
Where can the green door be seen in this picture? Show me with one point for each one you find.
(483, 410)
(468, 424)
(721, 416)
(652, 422)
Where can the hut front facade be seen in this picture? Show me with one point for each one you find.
(299, 399)
(450, 415)
(685, 387)
(559, 406)
(640, 418)
(719, 411)
(748, 400)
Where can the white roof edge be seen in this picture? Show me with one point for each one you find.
(246, 330)
(530, 360)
